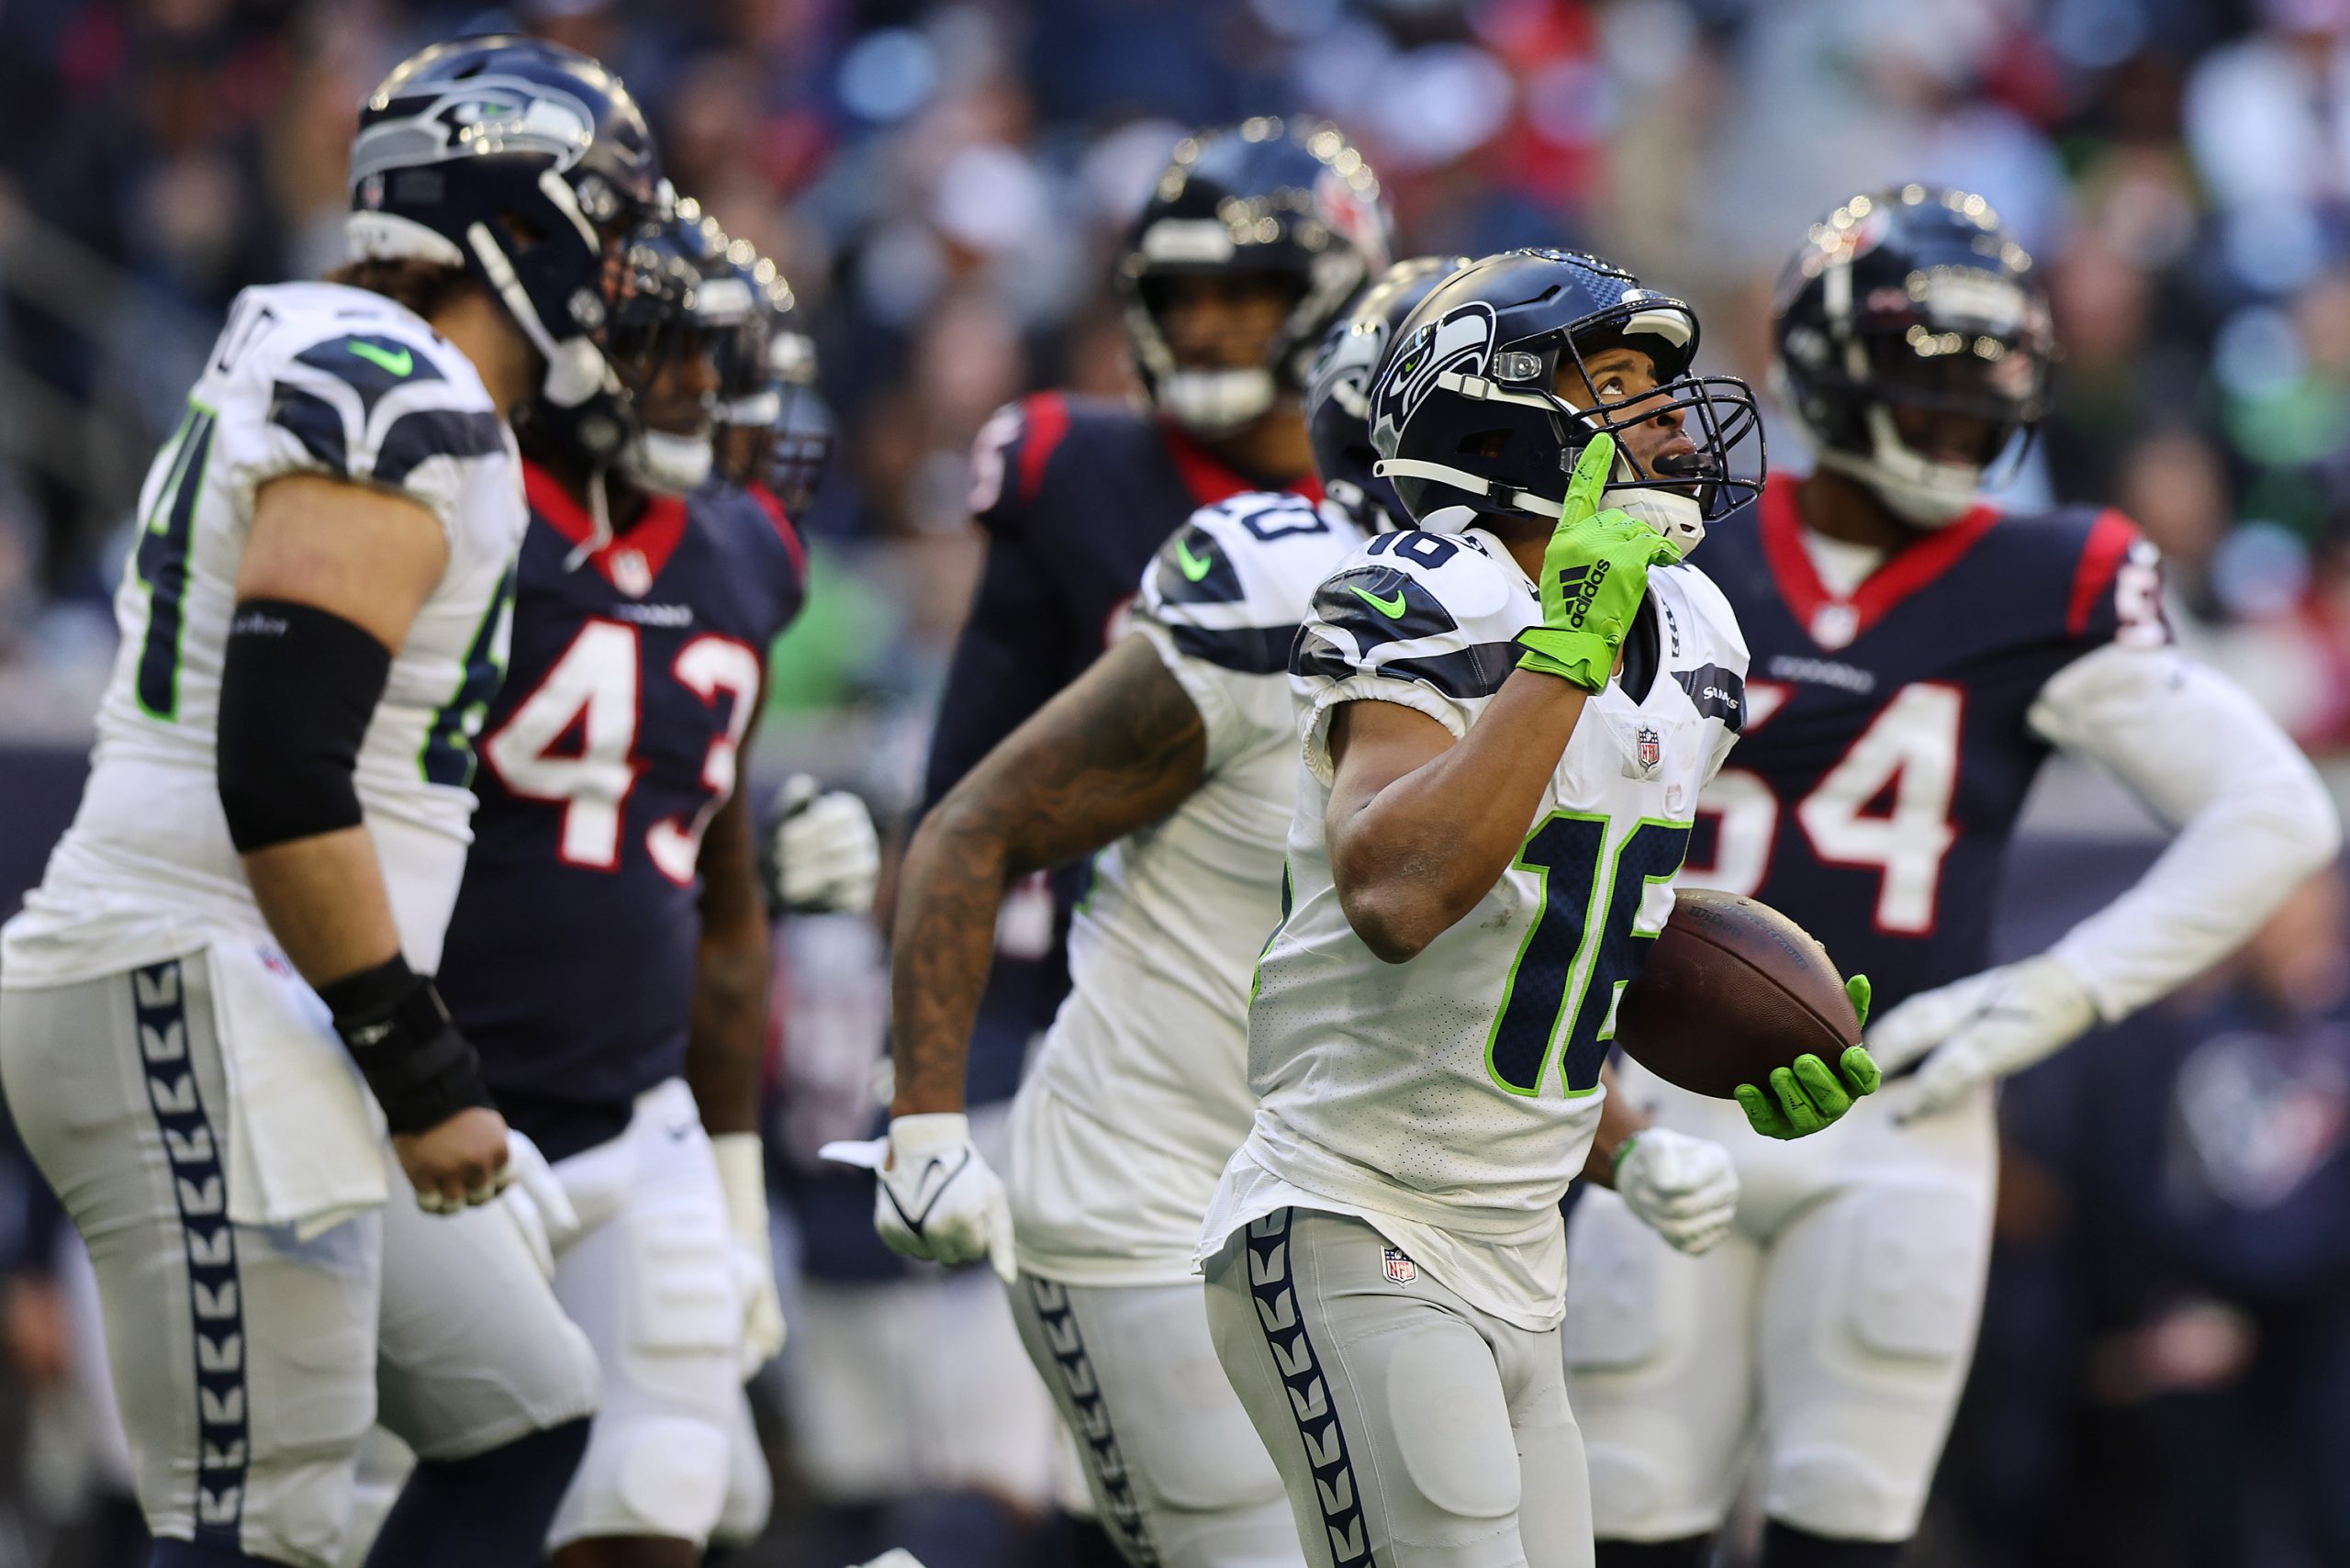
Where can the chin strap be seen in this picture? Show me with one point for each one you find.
(599, 512)
(1215, 402)
(1677, 518)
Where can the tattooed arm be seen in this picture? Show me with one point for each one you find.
(1121, 747)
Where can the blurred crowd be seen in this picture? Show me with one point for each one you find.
(947, 182)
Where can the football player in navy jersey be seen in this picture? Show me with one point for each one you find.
(1917, 654)
(609, 949)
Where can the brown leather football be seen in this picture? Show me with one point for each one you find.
(1732, 990)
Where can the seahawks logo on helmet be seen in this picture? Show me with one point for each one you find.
(1462, 339)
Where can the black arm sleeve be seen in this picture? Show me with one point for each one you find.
(1007, 664)
(298, 687)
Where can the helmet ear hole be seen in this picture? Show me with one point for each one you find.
(1483, 444)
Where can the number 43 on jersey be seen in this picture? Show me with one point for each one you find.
(573, 742)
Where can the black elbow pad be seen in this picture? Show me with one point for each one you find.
(298, 688)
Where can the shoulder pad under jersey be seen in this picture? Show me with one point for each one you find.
(1434, 608)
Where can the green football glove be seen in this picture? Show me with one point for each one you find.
(1594, 574)
(1811, 1095)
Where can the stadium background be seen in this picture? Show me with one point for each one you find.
(2166, 1372)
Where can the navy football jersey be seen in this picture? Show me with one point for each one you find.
(1076, 495)
(635, 670)
(1886, 754)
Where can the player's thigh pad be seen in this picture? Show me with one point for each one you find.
(1659, 1363)
(243, 1357)
(652, 1287)
(1380, 1402)
(1870, 1306)
(1174, 1467)
(474, 1352)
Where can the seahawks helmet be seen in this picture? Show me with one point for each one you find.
(1487, 399)
(521, 162)
(1290, 199)
(682, 298)
(774, 429)
(1912, 298)
(1337, 393)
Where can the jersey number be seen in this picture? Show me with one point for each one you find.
(1905, 762)
(1582, 911)
(160, 561)
(591, 693)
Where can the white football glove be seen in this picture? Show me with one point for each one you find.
(1974, 1030)
(742, 1171)
(935, 1197)
(540, 1208)
(824, 856)
(1684, 1188)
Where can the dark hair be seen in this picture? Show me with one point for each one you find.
(424, 287)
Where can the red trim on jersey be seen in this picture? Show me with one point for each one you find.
(1903, 574)
(1044, 422)
(2110, 537)
(791, 535)
(654, 535)
(1210, 479)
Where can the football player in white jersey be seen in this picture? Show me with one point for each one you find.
(1140, 1092)
(219, 1000)
(1505, 730)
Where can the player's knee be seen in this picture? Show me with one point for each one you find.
(1786, 1546)
(654, 1475)
(750, 1495)
(1843, 1494)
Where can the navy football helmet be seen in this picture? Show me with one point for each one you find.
(1487, 399)
(1913, 298)
(682, 298)
(1337, 392)
(774, 427)
(522, 161)
(1290, 199)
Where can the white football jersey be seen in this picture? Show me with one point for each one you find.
(307, 378)
(1449, 1100)
(1140, 1092)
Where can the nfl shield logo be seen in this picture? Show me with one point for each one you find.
(1399, 1269)
(631, 574)
(1650, 749)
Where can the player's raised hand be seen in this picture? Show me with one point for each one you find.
(1810, 1095)
(456, 1161)
(1684, 1188)
(823, 856)
(1594, 574)
(1980, 1028)
(936, 1198)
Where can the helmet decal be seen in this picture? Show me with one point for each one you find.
(1460, 339)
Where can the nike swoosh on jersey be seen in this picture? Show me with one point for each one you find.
(398, 363)
(1194, 566)
(1391, 607)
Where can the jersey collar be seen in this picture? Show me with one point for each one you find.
(633, 557)
(1834, 621)
(1211, 479)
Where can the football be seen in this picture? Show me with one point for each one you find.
(1732, 990)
